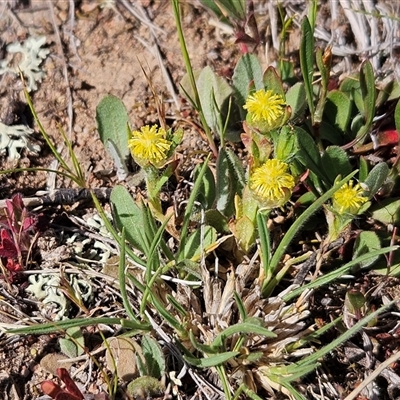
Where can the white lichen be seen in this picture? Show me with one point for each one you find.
(32, 56)
(46, 288)
(14, 138)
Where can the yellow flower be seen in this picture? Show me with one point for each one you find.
(349, 199)
(271, 183)
(266, 108)
(149, 145)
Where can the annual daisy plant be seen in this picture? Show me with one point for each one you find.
(152, 148)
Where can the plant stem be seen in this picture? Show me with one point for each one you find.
(189, 70)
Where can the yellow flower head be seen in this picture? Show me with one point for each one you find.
(271, 183)
(149, 145)
(349, 199)
(265, 108)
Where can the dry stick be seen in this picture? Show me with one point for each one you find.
(142, 18)
(390, 27)
(355, 24)
(70, 31)
(63, 196)
(369, 379)
(337, 36)
(64, 65)
(374, 31)
(272, 11)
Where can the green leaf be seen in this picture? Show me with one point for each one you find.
(73, 345)
(368, 93)
(397, 116)
(214, 93)
(245, 233)
(297, 100)
(250, 327)
(230, 181)
(247, 70)
(218, 221)
(307, 62)
(311, 359)
(211, 361)
(167, 316)
(285, 144)
(133, 218)
(337, 110)
(122, 279)
(335, 162)
(331, 134)
(235, 9)
(154, 357)
(265, 242)
(362, 175)
(308, 153)
(204, 348)
(206, 193)
(387, 211)
(366, 242)
(212, 5)
(337, 273)
(273, 82)
(240, 305)
(112, 123)
(196, 240)
(41, 329)
(376, 178)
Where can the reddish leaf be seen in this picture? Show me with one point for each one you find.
(386, 138)
(50, 388)
(15, 208)
(7, 246)
(70, 385)
(29, 223)
(13, 266)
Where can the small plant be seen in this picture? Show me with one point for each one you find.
(70, 392)
(17, 231)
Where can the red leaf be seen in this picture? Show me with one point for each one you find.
(7, 246)
(50, 388)
(70, 385)
(386, 138)
(13, 266)
(29, 223)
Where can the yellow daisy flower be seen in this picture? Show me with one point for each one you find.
(271, 183)
(265, 107)
(349, 198)
(149, 145)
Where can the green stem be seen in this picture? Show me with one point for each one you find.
(189, 70)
